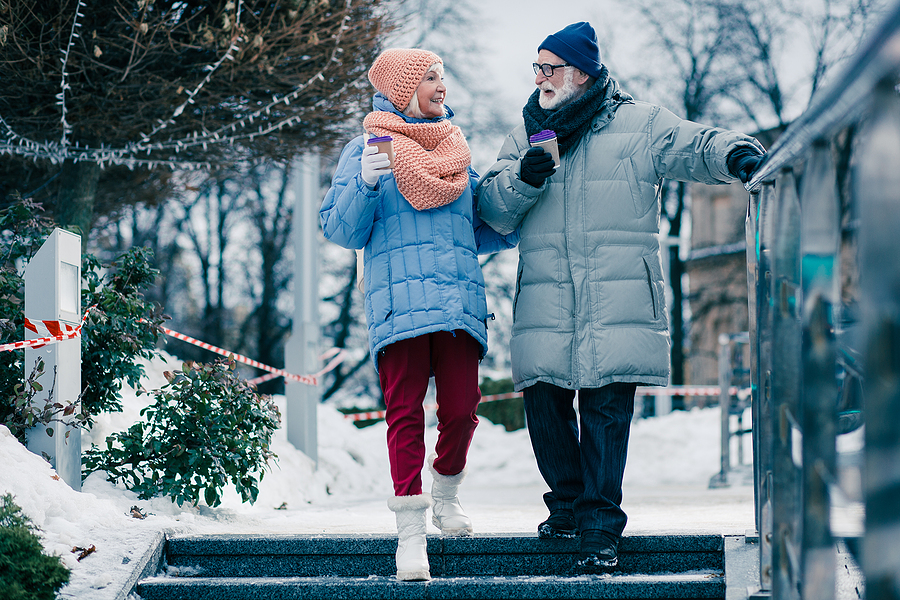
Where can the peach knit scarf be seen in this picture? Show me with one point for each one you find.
(431, 158)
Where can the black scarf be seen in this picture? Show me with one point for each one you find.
(572, 120)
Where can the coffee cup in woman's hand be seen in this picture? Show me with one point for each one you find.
(384, 144)
(374, 164)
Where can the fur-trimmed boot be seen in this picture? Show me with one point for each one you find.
(412, 553)
(447, 514)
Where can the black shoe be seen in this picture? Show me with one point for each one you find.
(560, 524)
(599, 553)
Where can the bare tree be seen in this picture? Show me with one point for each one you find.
(212, 218)
(453, 30)
(158, 226)
(344, 324)
(341, 330)
(267, 267)
(691, 38)
(153, 84)
(780, 49)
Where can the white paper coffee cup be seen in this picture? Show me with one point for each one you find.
(546, 139)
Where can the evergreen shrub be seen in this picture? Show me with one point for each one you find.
(26, 573)
(122, 328)
(23, 230)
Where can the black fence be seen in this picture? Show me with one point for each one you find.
(823, 255)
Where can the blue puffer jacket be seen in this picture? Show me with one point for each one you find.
(421, 267)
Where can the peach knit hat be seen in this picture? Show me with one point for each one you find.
(397, 72)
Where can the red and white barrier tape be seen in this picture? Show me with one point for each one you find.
(263, 378)
(674, 390)
(55, 331)
(338, 355)
(49, 328)
(59, 331)
(307, 379)
(685, 390)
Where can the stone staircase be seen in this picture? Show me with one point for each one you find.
(287, 567)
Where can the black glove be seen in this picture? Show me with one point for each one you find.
(743, 161)
(537, 165)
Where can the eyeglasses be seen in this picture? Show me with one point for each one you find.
(547, 69)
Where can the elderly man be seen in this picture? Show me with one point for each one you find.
(589, 314)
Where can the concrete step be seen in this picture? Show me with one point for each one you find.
(669, 586)
(482, 555)
(236, 567)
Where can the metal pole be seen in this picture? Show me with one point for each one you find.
(751, 229)
(302, 347)
(725, 369)
(820, 248)
(785, 415)
(762, 420)
(879, 209)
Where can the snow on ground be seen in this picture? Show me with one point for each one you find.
(671, 460)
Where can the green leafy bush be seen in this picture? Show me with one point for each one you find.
(22, 231)
(27, 413)
(509, 412)
(26, 573)
(121, 328)
(206, 428)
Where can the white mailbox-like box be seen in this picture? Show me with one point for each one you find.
(53, 293)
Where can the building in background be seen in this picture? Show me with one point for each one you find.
(717, 273)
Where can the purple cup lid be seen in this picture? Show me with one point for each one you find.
(542, 136)
(376, 140)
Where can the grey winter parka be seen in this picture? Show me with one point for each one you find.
(590, 305)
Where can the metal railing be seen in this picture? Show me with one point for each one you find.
(797, 327)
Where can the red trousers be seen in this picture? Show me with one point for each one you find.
(404, 369)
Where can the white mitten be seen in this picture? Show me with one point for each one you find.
(374, 164)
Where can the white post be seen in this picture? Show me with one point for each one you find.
(302, 348)
(53, 293)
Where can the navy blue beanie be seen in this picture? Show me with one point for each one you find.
(577, 45)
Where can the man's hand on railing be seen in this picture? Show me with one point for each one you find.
(742, 162)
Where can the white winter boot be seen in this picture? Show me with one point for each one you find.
(412, 554)
(448, 515)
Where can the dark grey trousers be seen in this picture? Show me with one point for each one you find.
(583, 470)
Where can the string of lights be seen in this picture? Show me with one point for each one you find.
(64, 84)
(210, 69)
(57, 152)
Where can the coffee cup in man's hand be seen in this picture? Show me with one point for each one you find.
(546, 139)
(537, 165)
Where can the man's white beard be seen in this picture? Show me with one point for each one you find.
(562, 95)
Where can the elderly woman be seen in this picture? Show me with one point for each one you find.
(424, 292)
